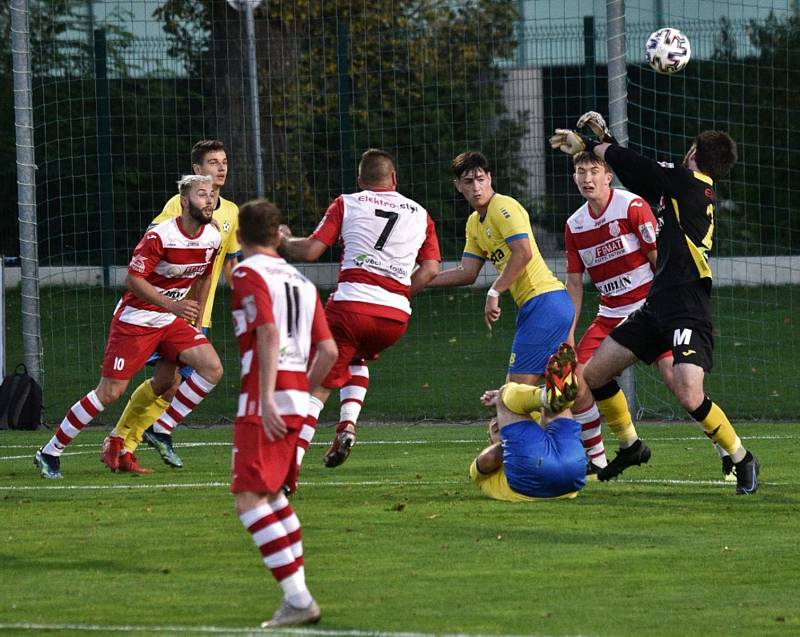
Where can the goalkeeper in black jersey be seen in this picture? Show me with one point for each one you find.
(677, 311)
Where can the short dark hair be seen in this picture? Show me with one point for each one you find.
(258, 223)
(469, 160)
(203, 147)
(376, 167)
(715, 153)
(586, 157)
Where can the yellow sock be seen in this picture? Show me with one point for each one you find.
(719, 429)
(522, 399)
(140, 412)
(615, 412)
(154, 411)
(537, 416)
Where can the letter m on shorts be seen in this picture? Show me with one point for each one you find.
(681, 337)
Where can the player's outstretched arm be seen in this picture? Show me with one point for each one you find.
(423, 275)
(466, 273)
(302, 248)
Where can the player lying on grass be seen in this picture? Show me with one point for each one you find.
(677, 311)
(278, 320)
(153, 315)
(528, 460)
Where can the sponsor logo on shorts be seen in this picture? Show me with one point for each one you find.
(681, 337)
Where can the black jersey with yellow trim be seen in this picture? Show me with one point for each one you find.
(683, 202)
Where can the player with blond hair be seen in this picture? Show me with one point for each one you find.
(152, 396)
(172, 259)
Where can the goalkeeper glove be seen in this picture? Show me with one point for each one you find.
(570, 142)
(595, 121)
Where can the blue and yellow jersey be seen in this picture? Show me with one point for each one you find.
(226, 215)
(495, 485)
(487, 238)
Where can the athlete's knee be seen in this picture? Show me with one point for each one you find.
(211, 370)
(109, 391)
(595, 376)
(689, 394)
(247, 501)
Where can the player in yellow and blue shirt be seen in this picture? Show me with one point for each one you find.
(499, 230)
(527, 460)
(150, 399)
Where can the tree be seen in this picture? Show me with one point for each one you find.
(420, 78)
(61, 45)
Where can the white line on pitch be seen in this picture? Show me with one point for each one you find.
(328, 483)
(215, 484)
(217, 630)
(457, 441)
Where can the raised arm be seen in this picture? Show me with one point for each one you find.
(466, 273)
(302, 248)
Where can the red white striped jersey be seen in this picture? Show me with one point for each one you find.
(383, 235)
(170, 260)
(613, 248)
(266, 289)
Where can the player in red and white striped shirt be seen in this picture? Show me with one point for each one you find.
(384, 236)
(612, 237)
(153, 315)
(279, 321)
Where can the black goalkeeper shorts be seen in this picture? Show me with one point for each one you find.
(678, 318)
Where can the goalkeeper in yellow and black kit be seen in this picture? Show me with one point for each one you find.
(677, 311)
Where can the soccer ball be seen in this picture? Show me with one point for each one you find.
(668, 51)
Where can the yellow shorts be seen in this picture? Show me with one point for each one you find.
(495, 485)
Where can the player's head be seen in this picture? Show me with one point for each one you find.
(714, 152)
(377, 169)
(593, 177)
(473, 179)
(209, 158)
(197, 197)
(258, 224)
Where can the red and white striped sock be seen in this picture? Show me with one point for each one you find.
(309, 428)
(189, 395)
(78, 416)
(591, 436)
(351, 396)
(281, 550)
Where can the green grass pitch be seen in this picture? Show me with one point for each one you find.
(398, 540)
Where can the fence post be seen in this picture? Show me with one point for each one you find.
(26, 187)
(590, 65)
(252, 86)
(617, 70)
(344, 94)
(618, 121)
(104, 155)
